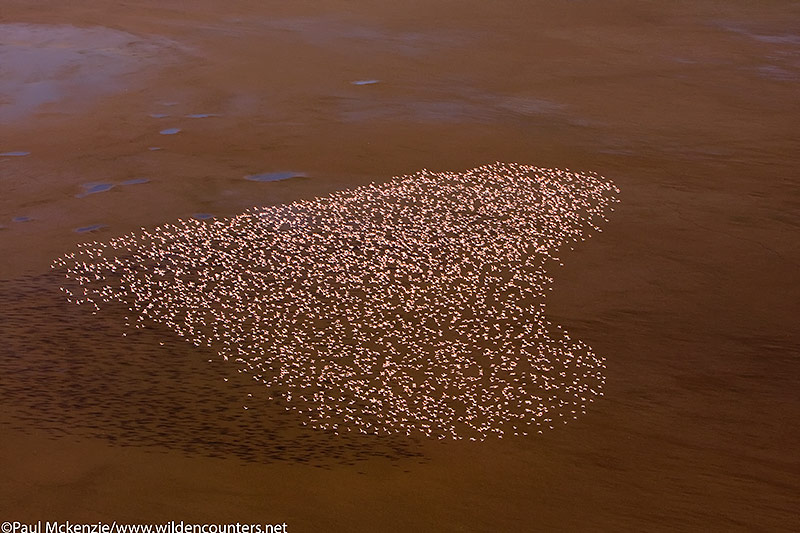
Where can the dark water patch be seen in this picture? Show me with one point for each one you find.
(170, 131)
(135, 181)
(202, 216)
(21, 219)
(14, 154)
(202, 115)
(365, 82)
(274, 176)
(89, 229)
(94, 188)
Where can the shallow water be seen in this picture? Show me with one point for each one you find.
(689, 292)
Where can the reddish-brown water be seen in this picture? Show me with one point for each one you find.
(690, 292)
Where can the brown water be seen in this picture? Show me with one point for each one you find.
(690, 292)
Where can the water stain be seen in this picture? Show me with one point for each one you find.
(170, 131)
(274, 176)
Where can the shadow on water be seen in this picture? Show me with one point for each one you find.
(69, 372)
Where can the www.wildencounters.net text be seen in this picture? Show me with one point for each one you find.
(113, 527)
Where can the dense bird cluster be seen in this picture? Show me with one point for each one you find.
(416, 305)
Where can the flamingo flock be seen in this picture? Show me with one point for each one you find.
(416, 306)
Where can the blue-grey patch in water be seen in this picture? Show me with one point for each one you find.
(14, 154)
(202, 115)
(274, 176)
(154, 148)
(87, 229)
(159, 115)
(93, 188)
(135, 181)
(203, 216)
(21, 219)
(169, 131)
(365, 82)
(169, 104)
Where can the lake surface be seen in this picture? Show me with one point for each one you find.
(689, 293)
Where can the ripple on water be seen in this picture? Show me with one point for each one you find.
(365, 82)
(154, 148)
(274, 176)
(21, 219)
(14, 154)
(202, 216)
(202, 115)
(170, 131)
(158, 115)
